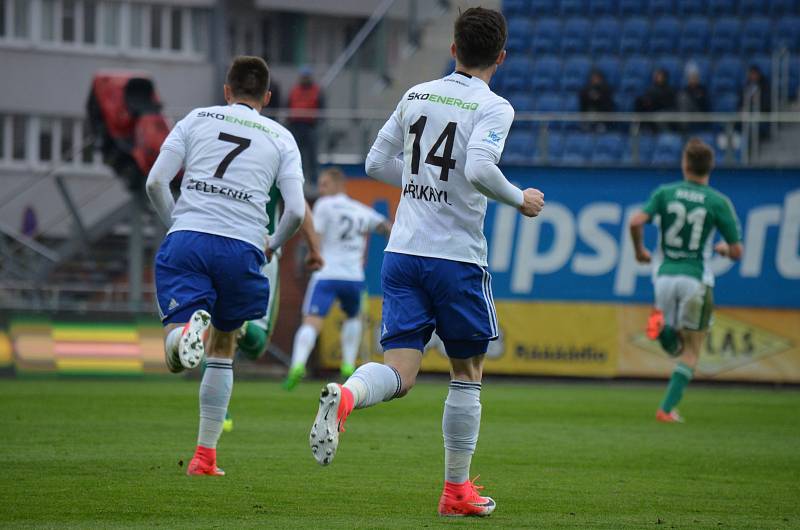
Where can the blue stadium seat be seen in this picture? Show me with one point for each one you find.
(624, 101)
(787, 33)
(518, 73)
(646, 146)
(674, 68)
(520, 30)
(756, 34)
(602, 7)
(498, 82)
(695, 36)
(662, 7)
(725, 102)
(753, 7)
(555, 146)
(605, 36)
(728, 75)
(522, 101)
(520, 148)
(784, 7)
(608, 149)
(547, 36)
(578, 147)
(636, 74)
(575, 36)
(546, 74)
(634, 37)
(516, 7)
(632, 7)
(668, 149)
(794, 75)
(549, 102)
(610, 66)
(703, 65)
(664, 35)
(574, 7)
(725, 36)
(692, 7)
(721, 7)
(764, 63)
(576, 72)
(543, 7)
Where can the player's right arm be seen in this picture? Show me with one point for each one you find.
(169, 162)
(483, 153)
(290, 184)
(314, 259)
(636, 226)
(382, 161)
(728, 225)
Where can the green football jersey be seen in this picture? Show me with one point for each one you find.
(689, 214)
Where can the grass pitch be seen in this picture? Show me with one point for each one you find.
(89, 453)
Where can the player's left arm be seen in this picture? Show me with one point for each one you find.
(728, 225)
(636, 226)
(169, 162)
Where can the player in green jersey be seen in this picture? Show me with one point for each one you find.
(689, 212)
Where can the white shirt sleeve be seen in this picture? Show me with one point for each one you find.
(166, 166)
(177, 139)
(382, 161)
(319, 211)
(482, 172)
(491, 129)
(374, 219)
(294, 210)
(291, 166)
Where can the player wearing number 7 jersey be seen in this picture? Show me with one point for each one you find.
(689, 212)
(209, 268)
(451, 133)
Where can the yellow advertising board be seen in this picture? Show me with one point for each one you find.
(606, 340)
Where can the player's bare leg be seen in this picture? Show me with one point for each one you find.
(304, 340)
(460, 425)
(369, 385)
(215, 394)
(684, 371)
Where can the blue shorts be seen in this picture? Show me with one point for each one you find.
(205, 271)
(321, 294)
(421, 294)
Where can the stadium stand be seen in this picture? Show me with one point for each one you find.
(561, 41)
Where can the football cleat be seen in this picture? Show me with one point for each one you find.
(227, 424)
(191, 349)
(296, 374)
(347, 370)
(173, 362)
(669, 417)
(204, 462)
(655, 323)
(335, 404)
(462, 500)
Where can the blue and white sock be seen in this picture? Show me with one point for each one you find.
(461, 423)
(215, 393)
(372, 383)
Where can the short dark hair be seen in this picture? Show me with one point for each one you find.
(335, 173)
(248, 77)
(480, 35)
(699, 157)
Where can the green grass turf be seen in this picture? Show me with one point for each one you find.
(93, 453)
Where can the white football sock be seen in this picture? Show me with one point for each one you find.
(215, 393)
(304, 341)
(372, 383)
(461, 423)
(172, 340)
(351, 339)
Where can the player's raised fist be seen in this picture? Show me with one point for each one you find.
(643, 255)
(533, 202)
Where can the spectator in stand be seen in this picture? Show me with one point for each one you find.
(693, 97)
(595, 96)
(305, 99)
(660, 97)
(756, 92)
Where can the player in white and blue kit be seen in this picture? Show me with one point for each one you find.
(342, 224)
(208, 270)
(451, 133)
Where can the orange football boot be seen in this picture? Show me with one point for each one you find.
(462, 500)
(204, 462)
(655, 323)
(669, 417)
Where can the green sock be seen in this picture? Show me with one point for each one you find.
(252, 343)
(677, 383)
(670, 340)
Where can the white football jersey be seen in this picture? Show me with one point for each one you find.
(343, 224)
(232, 155)
(440, 213)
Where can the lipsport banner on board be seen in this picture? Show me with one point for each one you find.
(572, 300)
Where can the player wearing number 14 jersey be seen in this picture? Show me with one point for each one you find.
(689, 213)
(451, 133)
(208, 270)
